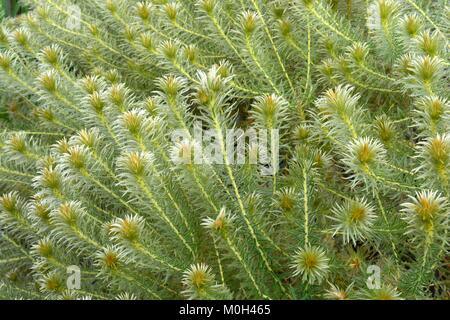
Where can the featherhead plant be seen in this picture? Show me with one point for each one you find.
(286, 199)
(221, 223)
(435, 155)
(199, 284)
(354, 220)
(384, 293)
(426, 214)
(128, 228)
(311, 264)
(225, 149)
(411, 24)
(336, 293)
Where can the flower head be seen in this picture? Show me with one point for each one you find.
(286, 199)
(354, 219)
(311, 264)
(425, 213)
(197, 279)
(380, 13)
(364, 156)
(358, 52)
(135, 164)
(44, 247)
(269, 111)
(249, 21)
(51, 54)
(183, 152)
(220, 224)
(386, 292)
(411, 24)
(49, 81)
(337, 293)
(435, 155)
(385, 128)
(110, 258)
(429, 43)
(198, 276)
(128, 228)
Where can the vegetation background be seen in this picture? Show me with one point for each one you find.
(91, 92)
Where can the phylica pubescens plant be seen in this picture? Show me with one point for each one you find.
(91, 92)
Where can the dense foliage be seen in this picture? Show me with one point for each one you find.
(10, 8)
(92, 91)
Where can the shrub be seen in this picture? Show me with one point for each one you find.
(93, 91)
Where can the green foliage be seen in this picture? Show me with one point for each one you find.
(10, 8)
(358, 90)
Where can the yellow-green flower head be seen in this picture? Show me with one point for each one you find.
(353, 220)
(426, 73)
(51, 55)
(172, 85)
(110, 258)
(197, 279)
(198, 276)
(9, 202)
(91, 84)
(286, 199)
(169, 49)
(41, 211)
(49, 81)
(249, 21)
(199, 283)
(435, 155)
(404, 65)
(52, 282)
(434, 107)
(143, 10)
(385, 292)
(411, 24)
(212, 84)
(221, 223)
(339, 100)
(135, 164)
(426, 213)
(183, 152)
(429, 43)
(49, 178)
(171, 9)
(128, 228)
(3, 36)
(337, 293)
(126, 296)
(22, 37)
(6, 60)
(207, 5)
(358, 52)
(364, 156)
(432, 115)
(366, 151)
(44, 247)
(385, 128)
(269, 111)
(311, 264)
(380, 13)
(68, 213)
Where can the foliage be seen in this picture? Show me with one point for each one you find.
(2, 11)
(10, 8)
(358, 90)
